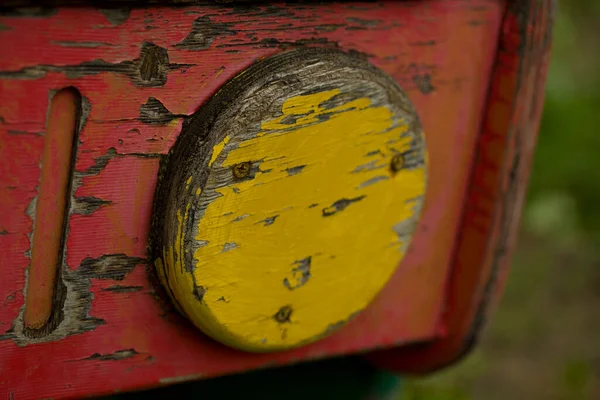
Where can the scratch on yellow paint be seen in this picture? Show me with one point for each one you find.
(321, 240)
(172, 261)
(217, 149)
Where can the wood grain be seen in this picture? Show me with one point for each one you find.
(440, 52)
(280, 195)
(496, 192)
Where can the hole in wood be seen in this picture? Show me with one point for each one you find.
(51, 208)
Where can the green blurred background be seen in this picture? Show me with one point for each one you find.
(544, 340)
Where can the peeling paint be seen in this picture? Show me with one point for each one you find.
(117, 355)
(87, 205)
(268, 221)
(373, 180)
(295, 170)
(116, 16)
(203, 32)
(449, 73)
(122, 289)
(155, 112)
(108, 266)
(340, 205)
(229, 246)
(424, 84)
(149, 70)
(300, 274)
(90, 45)
(180, 379)
(218, 241)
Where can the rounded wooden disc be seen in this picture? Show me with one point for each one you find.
(289, 199)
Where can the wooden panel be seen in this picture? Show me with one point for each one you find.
(284, 208)
(496, 193)
(140, 73)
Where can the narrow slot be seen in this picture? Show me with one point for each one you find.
(51, 212)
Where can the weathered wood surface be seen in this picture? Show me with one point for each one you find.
(496, 192)
(280, 213)
(141, 73)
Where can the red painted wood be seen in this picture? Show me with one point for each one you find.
(496, 192)
(440, 51)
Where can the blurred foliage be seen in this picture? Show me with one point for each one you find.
(566, 168)
(544, 340)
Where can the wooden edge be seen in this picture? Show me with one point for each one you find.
(48, 7)
(494, 198)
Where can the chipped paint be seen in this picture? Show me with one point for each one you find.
(412, 38)
(117, 355)
(303, 264)
(217, 149)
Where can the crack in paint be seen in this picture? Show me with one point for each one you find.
(117, 355)
(300, 274)
(149, 70)
(340, 205)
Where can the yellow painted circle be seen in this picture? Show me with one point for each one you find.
(306, 186)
